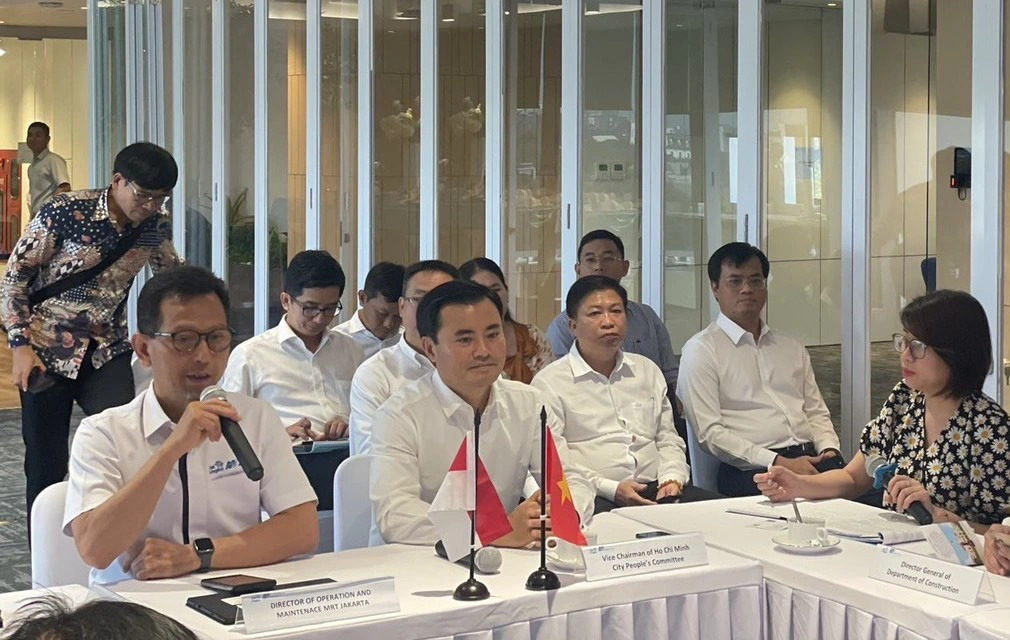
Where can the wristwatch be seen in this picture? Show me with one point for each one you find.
(204, 548)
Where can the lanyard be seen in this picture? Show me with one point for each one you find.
(184, 477)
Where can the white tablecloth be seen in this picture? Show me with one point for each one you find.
(720, 600)
(991, 624)
(828, 595)
(11, 602)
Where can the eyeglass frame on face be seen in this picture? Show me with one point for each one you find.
(414, 300)
(200, 337)
(910, 345)
(605, 259)
(146, 199)
(311, 312)
(757, 283)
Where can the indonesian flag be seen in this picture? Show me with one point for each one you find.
(454, 504)
(564, 517)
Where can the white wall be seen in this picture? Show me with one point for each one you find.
(48, 81)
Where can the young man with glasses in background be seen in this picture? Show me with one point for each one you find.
(64, 301)
(302, 367)
(748, 392)
(155, 491)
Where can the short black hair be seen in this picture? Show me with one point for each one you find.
(954, 325)
(600, 234)
(428, 265)
(148, 166)
(457, 292)
(183, 282)
(53, 618)
(735, 253)
(313, 269)
(591, 284)
(39, 125)
(385, 279)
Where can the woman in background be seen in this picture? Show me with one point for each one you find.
(527, 349)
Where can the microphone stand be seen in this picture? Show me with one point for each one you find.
(473, 589)
(543, 579)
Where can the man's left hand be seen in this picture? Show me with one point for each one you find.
(163, 559)
(335, 429)
(669, 490)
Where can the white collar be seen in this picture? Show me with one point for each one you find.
(451, 402)
(581, 368)
(408, 351)
(736, 332)
(152, 415)
(285, 333)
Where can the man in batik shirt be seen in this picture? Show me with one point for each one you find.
(71, 342)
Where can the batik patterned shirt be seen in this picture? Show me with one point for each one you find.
(73, 232)
(965, 470)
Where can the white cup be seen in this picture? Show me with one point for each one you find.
(567, 555)
(809, 533)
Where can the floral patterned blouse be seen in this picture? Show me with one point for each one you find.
(533, 353)
(73, 232)
(966, 470)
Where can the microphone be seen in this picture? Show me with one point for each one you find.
(486, 560)
(235, 438)
(882, 472)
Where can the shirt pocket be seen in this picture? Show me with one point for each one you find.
(640, 418)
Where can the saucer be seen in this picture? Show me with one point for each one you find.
(558, 563)
(814, 546)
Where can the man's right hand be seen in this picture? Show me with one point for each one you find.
(628, 494)
(525, 521)
(804, 465)
(25, 361)
(200, 421)
(302, 430)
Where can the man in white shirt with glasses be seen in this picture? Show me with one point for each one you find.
(748, 392)
(301, 367)
(390, 369)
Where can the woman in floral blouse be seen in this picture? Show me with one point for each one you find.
(950, 442)
(527, 348)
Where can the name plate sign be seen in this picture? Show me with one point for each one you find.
(647, 555)
(928, 575)
(329, 602)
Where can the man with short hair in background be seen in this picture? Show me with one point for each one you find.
(377, 324)
(47, 174)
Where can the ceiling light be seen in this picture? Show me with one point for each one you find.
(408, 14)
(832, 4)
(448, 13)
(592, 7)
(2, 52)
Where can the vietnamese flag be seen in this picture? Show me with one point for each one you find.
(564, 517)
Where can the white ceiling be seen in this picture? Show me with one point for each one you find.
(28, 13)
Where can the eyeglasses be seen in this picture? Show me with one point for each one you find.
(915, 347)
(144, 199)
(414, 300)
(311, 311)
(185, 341)
(757, 283)
(605, 260)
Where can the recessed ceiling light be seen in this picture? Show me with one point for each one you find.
(832, 4)
(3, 52)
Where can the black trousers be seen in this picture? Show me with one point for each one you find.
(45, 418)
(734, 482)
(690, 493)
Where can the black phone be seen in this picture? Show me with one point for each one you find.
(39, 381)
(651, 534)
(238, 584)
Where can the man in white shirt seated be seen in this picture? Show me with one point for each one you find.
(390, 369)
(155, 491)
(418, 431)
(301, 367)
(614, 412)
(376, 325)
(749, 392)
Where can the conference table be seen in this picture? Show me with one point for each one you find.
(990, 624)
(830, 595)
(719, 600)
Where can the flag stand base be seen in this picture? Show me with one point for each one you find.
(471, 590)
(543, 579)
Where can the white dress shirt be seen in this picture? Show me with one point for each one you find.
(277, 367)
(375, 381)
(745, 398)
(45, 175)
(110, 449)
(368, 341)
(618, 427)
(417, 434)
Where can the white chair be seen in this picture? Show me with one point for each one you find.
(704, 465)
(352, 509)
(55, 561)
